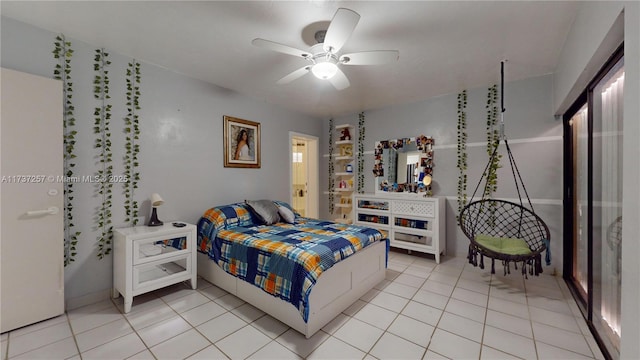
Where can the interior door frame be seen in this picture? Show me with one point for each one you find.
(313, 173)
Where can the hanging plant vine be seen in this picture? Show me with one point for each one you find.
(462, 151)
(361, 153)
(331, 169)
(104, 175)
(132, 148)
(63, 52)
(493, 140)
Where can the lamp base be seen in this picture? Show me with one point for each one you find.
(154, 219)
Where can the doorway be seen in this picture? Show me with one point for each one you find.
(303, 168)
(593, 202)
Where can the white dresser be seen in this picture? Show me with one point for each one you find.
(413, 222)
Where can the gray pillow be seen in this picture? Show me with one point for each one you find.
(265, 210)
(286, 214)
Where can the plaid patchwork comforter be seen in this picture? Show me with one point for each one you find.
(283, 259)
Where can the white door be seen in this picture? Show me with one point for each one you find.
(304, 174)
(32, 245)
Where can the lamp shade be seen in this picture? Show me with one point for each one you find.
(324, 70)
(156, 200)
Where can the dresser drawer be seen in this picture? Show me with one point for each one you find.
(156, 248)
(419, 208)
(161, 271)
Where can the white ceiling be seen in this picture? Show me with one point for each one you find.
(445, 46)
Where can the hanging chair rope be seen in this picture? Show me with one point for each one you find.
(500, 222)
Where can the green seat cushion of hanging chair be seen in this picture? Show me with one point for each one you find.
(509, 246)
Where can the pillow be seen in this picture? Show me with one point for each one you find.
(286, 214)
(265, 210)
(509, 246)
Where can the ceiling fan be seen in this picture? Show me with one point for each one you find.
(324, 55)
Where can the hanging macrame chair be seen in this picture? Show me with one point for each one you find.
(502, 230)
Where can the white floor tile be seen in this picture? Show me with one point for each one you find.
(565, 322)
(509, 323)
(271, 327)
(461, 326)
(90, 309)
(142, 355)
(556, 305)
(393, 347)
(411, 280)
(173, 292)
(418, 271)
(335, 349)
(431, 299)
(163, 330)
(187, 302)
(561, 338)
(509, 307)
(551, 352)
(454, 346)
(509, 343)
(273, 351)
(389, 301)
(430, 355)
(359, 334)
(119, 348)
(438, 287)
(469, 296)
(425, 313)
(354, 308)
(62, 349)
(203, 313)
(221, 326)
(213, 292)
(229, 301)
(300, 345)
(37, 326)
(150, 313)
(493, 354)
(477, 285)
(370, 295)
(444, 278)
(376, 316)
(465, 309)
(38, 338)
(412, 330)
(336, 323)
(398, 289)
(208, 353)
(93, 320)
(180, 346)
(103, 334)
(242, 343)
(248, 312)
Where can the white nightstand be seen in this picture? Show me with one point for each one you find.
(144, 260)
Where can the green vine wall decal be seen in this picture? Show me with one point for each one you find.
(361, 153)
(63, 53)
(132, 147)
(462, 151)
(332, 181)
(493, 140)
(104, 175)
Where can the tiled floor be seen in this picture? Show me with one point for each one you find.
(421, 311)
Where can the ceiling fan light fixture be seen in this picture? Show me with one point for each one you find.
(324, 70)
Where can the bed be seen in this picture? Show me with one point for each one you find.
(302, 271)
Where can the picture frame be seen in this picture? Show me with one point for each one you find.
(241, 143)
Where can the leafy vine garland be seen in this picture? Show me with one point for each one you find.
(104, 174)
(493, 140)
(462, 151)
(63, 52)
(132, 148)
(361, 153)
(331, 169)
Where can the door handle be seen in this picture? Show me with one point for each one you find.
(50, 211)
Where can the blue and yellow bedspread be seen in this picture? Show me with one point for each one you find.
(283, 259)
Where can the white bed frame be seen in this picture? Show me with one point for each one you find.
(335, 290)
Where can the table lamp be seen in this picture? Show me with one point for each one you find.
(156, 201)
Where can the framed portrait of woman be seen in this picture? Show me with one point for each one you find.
(241, 143)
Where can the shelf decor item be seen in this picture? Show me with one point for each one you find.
(156, 201)
(241, 143)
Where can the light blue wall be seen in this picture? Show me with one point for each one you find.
(528, 117)
(181, 144)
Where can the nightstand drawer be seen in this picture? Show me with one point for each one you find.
(161, 271)
(152, 249)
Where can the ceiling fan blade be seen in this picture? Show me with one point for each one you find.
(285, 49)
(339, 80)
(294, 75)
(378, 57)
(340, 28)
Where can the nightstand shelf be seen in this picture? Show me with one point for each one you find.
(147, 258)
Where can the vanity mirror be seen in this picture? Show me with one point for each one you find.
(402, 164)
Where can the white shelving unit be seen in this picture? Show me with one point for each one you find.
(344, 173)
(413, 223)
